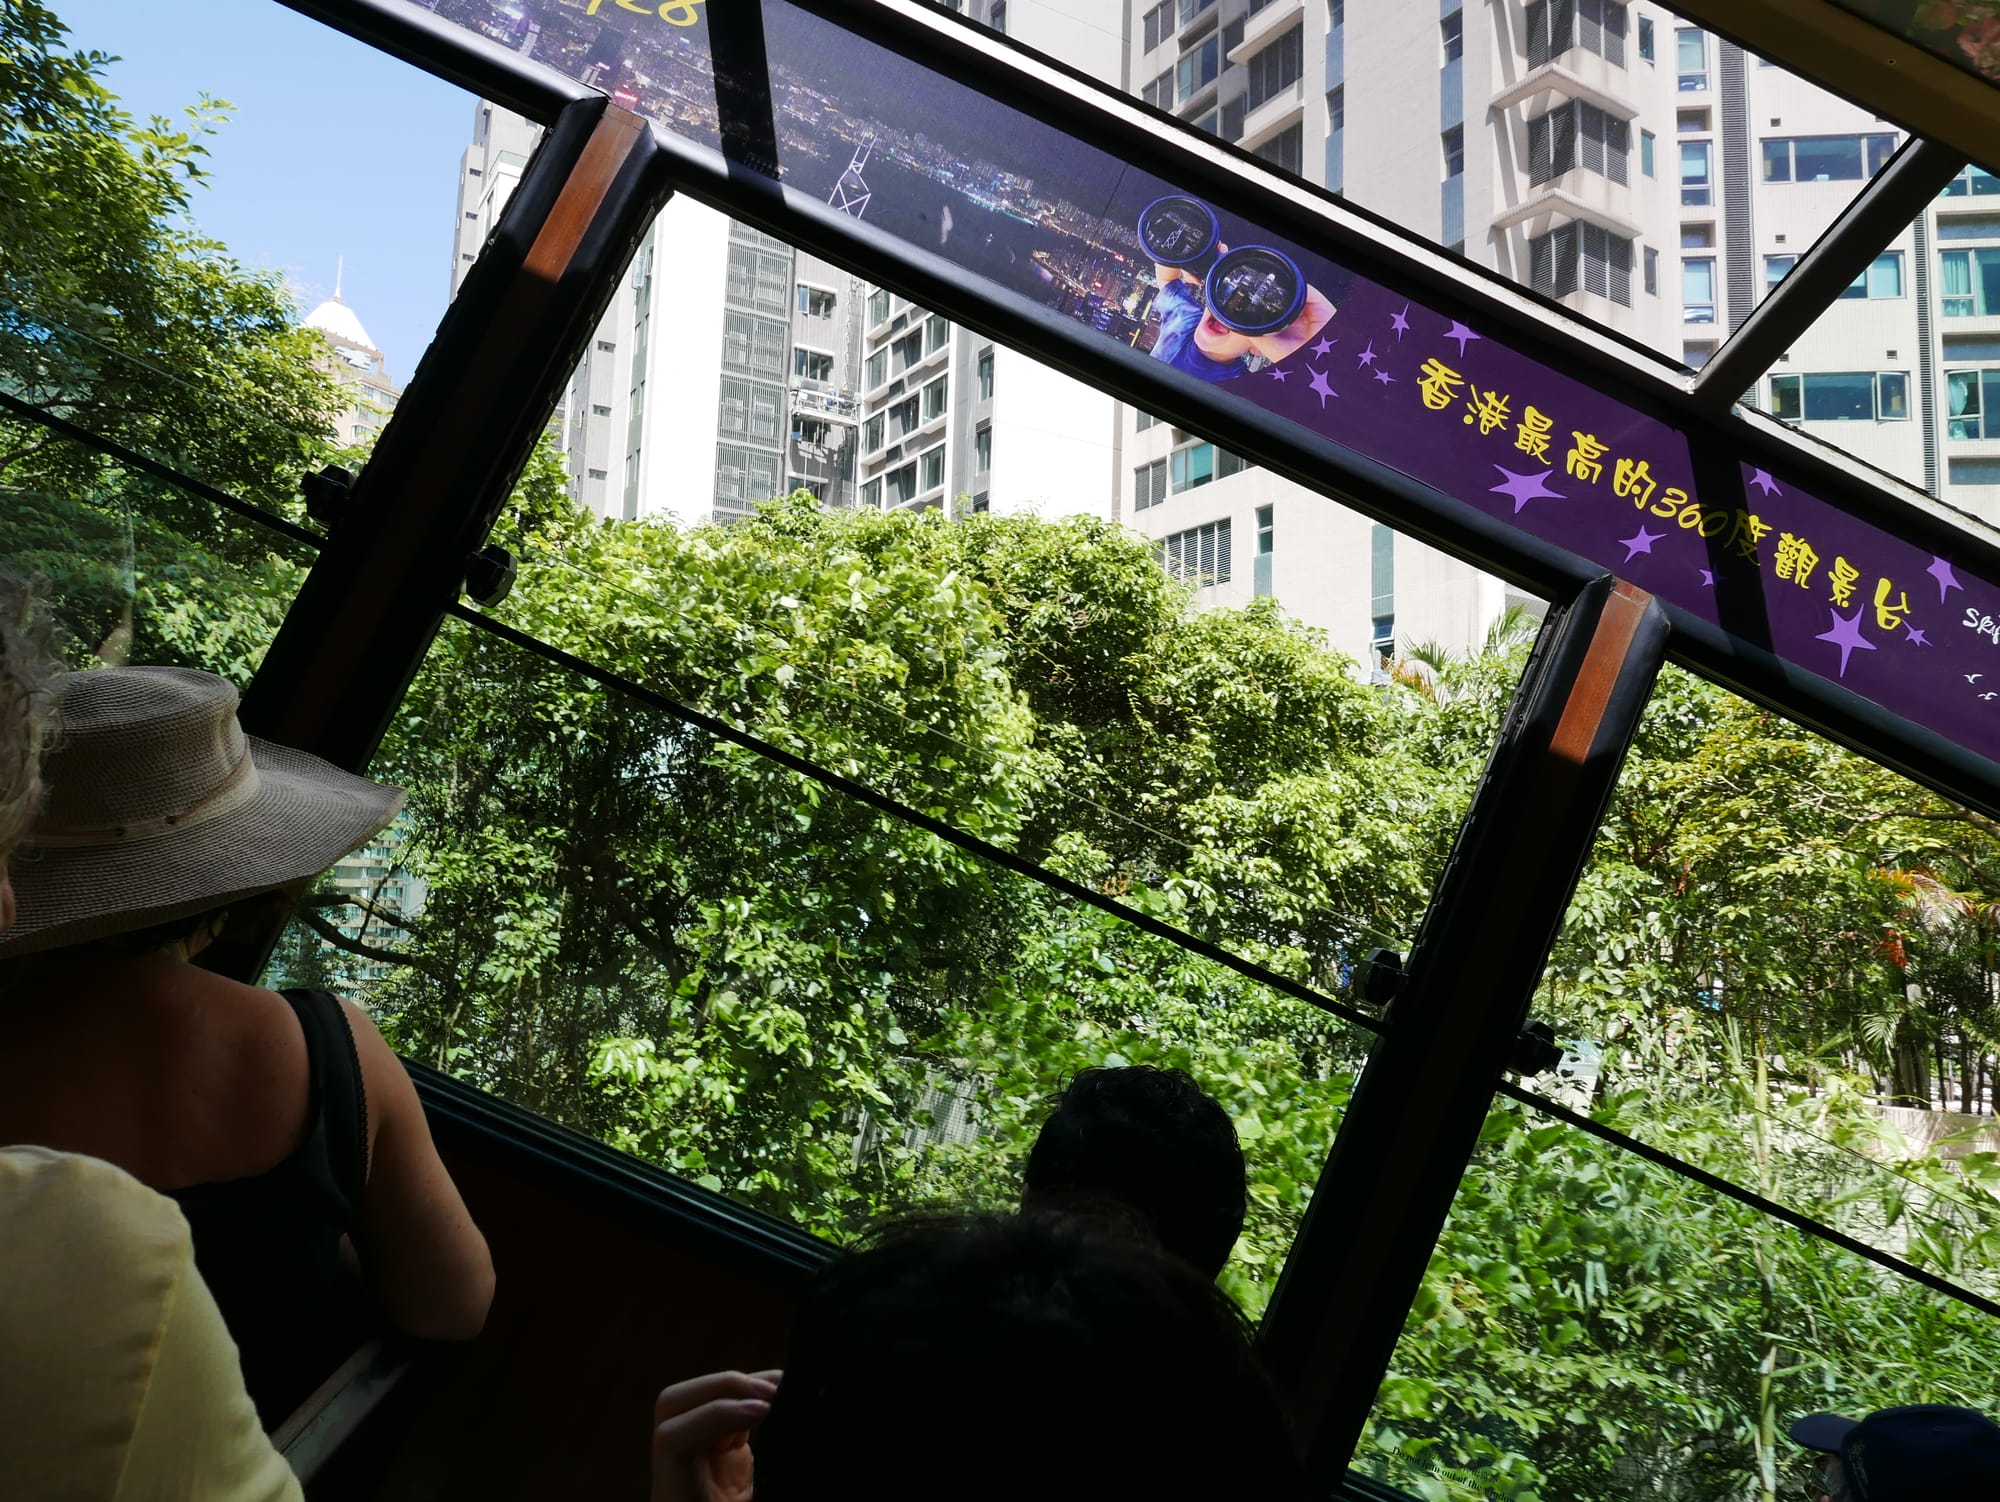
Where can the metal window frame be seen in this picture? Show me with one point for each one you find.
(304, 697)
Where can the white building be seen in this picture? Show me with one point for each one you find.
(354, 361)
(1899, 372)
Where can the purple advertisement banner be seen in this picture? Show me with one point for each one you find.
(916, 157)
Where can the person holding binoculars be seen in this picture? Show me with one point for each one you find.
(1220, 307)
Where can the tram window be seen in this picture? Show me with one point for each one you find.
(137, 570)
(1597, 1328)
(160, 307)
(1766, 973)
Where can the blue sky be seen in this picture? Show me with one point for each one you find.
(334, 150)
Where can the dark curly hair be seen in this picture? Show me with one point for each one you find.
(1021, 1356)
(1155, 1142)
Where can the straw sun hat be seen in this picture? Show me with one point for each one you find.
(159, 807)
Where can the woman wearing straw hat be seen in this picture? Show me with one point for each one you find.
(118, 1378)
(281, 1124)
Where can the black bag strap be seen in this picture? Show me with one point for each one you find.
(338, 1092)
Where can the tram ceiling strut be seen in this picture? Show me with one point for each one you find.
(1618, 466)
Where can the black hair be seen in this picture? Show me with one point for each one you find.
(1154, 1141)
(1021, 1356)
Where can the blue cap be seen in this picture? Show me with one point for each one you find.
(1928, 1452)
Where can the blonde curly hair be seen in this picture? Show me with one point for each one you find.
(26, 669)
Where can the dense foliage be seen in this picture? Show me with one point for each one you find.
(665, 940)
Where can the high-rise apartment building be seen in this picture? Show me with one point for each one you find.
(721, 341)
(354, 361)
(1899, 372)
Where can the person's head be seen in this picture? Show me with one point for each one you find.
(1020, 1356)
(1928, 1452)
(158, 812)
(24, 722)
(1154, 1142)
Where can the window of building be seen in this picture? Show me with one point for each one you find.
(936, 331)
(1192, 8)
(1691, 59)
(1698, 289)
(816, 431)
(930, 469)
(1159, 24)
(1652, 265)
(1691, 122)
(1149, 485)
(878, 306)
(1697, 236)
(1968, 227)
(903, 418)
(812, 364)
(1382, 588)
(1555, 26)
(598, 409)
(1275, 68)
(605, 346)
(1883, 278)
(758, 280)
(1142, 421)
(753, 343)
(934, 399)
(1697, 186)
(1453, 29)
(1825, 159)
(1646, 38)
(1190, 467)
(1581, 257)
(1199, 556)
(1841, 396)
(1453, 142)
(1267, 531)
(1972, 403)
(1575, 134)
(986, 375)
(1972, 181)
(1230, 125)
(1285, 150)
(877, 370)
(1646, 152)
(871, 495)
(1697, 353)
(899, 485)
(1160, 91)
(816, 302)
(907, 351)
(1336, 108)
(1971, 282)
(982, 448)
(1196, 70)
(872, 433)
(981, 503)
(997, 17)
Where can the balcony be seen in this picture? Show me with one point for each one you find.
(1272, 21)
(1275, 114)
(1578, 194)
(1570, 76)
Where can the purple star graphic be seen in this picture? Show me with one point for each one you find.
(1845, 633)
(1367, 356)
(1947, 580)
(1917, 637)
(1324, 345)
(1278, 373)
(1525, 488)
(1400, 322)
(1763, 481)
(1461, 333)
(1640, 542)
(1321, 389)
(1384, 377)
(1707, 577)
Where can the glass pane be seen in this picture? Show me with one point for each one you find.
(693, 954)
(227, 288)
(1930, 357)
(1599, 1329)
(136, 570)
(1780, 966)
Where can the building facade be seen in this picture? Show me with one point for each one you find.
(354, 361)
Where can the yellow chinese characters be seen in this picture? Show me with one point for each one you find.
(1796, 559)
(674, 12)
(1586, 457)
(1531, 436)
(1438, 383)
(1842, 581)
(1889, 616)
(1634, 478)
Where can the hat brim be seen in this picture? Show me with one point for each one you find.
(306, 815)
(1825, 1432)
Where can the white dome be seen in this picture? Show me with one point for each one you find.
(336, 320)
